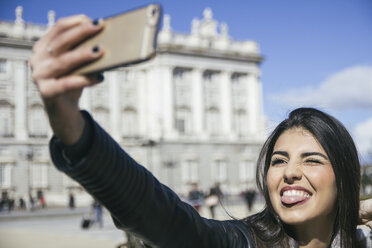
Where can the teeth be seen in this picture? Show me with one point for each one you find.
(296, 193)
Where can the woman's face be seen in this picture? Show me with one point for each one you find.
(300, 179)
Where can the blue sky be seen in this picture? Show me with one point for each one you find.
(317, 53)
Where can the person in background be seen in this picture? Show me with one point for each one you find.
(213, 198)
(249, 198)
(196, 197)
(98, 213)
(71, 200)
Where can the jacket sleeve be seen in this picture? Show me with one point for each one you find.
(138, 202)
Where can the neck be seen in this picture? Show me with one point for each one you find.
(316, 233)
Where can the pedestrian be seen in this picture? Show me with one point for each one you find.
(195, 197)
(71, 201)
(31, 202)
(98, 213)
(213, 198)
(11, 203)
(22, 203)
(249, 198)
(308, 169)
(42, 201)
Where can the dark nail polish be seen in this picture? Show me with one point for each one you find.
(95, 22)
(100, 77)
(95, 49)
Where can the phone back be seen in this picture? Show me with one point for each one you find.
(127, 38)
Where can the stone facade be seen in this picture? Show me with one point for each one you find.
(193, 114)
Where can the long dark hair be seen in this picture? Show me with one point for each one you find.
(268, 229)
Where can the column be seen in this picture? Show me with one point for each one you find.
(253, 106)
(166, 75)
(114, 104)
(141, 103)
(198, 104)
(226, 105)
(154, 97)
(20, 79)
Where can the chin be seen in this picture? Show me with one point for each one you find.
(293, 218)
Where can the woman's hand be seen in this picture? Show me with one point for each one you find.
(365, 213)
(52, 62)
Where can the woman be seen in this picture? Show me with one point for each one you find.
(310, 178)
(309, 170)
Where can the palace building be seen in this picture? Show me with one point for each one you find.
(193, 114)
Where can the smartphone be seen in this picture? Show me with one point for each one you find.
(127, 38)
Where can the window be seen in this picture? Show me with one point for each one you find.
(129, 123)
(220, 171)
(5, 175)
(6, 120)
(182, 87)
(3, 66)
(37, 122)
(39, 175)
(247, 171)
(189, 171)
(102, 117)
(128, 76)
(240, 122)
(211, 89)
(213, 121)
(238, 91)
(183, 121)
(178, 74)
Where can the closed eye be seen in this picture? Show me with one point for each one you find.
(313, 161)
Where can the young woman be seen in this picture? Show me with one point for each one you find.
(308, 168)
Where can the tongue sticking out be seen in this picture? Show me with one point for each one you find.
(292, 199)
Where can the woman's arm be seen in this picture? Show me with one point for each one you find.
(136, 200)
(52, 61)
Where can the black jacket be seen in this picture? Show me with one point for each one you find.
(137, 201)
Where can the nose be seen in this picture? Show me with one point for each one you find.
(292, 173)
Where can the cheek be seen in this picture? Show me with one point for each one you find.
(273, 178)
(324, 181)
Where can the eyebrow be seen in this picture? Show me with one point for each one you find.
(303, 155)
(307, 154)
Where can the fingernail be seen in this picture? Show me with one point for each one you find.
(95, 49)
(100, 77)
(96, 22)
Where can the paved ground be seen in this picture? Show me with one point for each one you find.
(57, 232)
(60, 228)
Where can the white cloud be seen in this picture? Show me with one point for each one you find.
(349, 88)
(362, 135)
